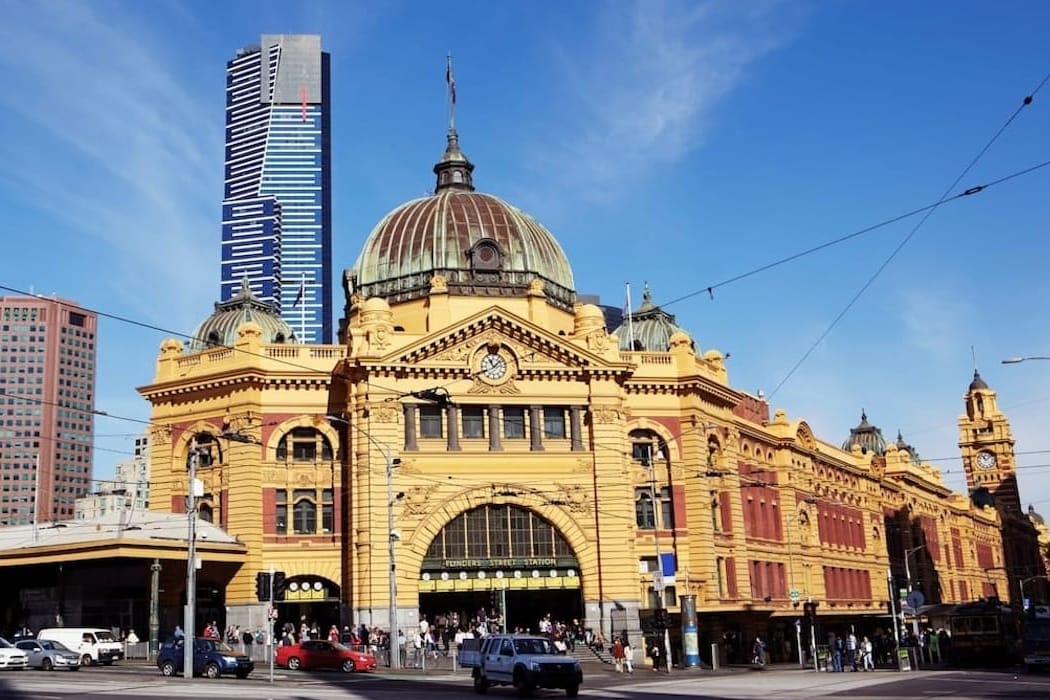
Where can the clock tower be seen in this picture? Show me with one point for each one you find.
(988, 449)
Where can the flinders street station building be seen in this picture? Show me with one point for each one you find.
(481, 439)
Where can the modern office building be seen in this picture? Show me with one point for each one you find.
(127, 492)
(276, 210)
(47, 396)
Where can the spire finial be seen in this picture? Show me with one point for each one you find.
(453, 171)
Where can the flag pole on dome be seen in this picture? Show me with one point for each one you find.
(450, 81)
(630, 322)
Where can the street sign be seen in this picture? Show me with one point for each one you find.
(915, 600)
(658, 581)
(795, 595)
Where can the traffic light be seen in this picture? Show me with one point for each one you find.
(660, 619)
(278, 585)
(262, 585)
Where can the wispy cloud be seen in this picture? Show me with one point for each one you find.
(934, 321)
(643, 85)
(115, 146)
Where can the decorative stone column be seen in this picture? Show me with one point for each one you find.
(452, 414)
(410, 411)
(536, 428)
(495, 443)
(575, 431)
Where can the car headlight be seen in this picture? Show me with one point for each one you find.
(230, 659)
(534, 666)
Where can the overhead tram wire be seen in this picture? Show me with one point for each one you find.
(709, 290)
(911, 234)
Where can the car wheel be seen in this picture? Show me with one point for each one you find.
(294, 663)
(481, 686)
(85, 660)
(572, 691)
(167, 668)
(212, 671)
(47, 664)
(521, 684)
(348, 666)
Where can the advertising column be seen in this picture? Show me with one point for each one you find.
(690, 637)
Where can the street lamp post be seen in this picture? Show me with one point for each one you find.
(392, 538)
(1018, 360)
(658, 575)
(907, 575)
(189, 623)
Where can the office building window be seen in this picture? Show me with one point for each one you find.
(473, 422)
(430, 421)
(554, 422)
(514, 422)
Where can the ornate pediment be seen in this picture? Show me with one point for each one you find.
(522, 344)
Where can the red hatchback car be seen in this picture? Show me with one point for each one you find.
(324, 654)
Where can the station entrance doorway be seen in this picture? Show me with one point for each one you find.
(504, 564)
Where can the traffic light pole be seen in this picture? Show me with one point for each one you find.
(269, 622)
(189, 622)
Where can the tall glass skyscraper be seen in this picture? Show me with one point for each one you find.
(277, 208)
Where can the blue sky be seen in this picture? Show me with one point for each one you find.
(676, 143)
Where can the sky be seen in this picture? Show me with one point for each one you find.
(679, 144)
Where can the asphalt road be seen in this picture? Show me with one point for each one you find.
(140, 682)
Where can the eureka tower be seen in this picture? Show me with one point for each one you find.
(277, 206)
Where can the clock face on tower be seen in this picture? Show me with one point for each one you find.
(985, 460)
(493, 366)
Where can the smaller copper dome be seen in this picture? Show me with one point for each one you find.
(867, 436)
(977, 382)
(220, 328)
(648, 328)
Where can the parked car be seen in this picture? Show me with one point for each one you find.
(95, 645)
(211, 658)
(48, 655)
(324, 654)
(11, 656)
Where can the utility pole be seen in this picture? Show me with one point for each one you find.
(189, 623)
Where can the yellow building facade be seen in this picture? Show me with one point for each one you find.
(480, 439)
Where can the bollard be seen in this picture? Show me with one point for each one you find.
(714, 657)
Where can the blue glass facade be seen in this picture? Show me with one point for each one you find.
(276, 214)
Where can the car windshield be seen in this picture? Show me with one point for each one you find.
(56, 646)
(340, 647)
(104, 636)
(4, 644)
(532, 646)
(214, 645)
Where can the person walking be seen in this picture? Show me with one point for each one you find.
(866, 648)
(617, 654)
(852, 651)
(657, 653)
(628, 655)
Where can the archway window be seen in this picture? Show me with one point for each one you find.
(304, 445)
(644, 513)
(205, 512)
(304, 512)
(498, 531)
(209, 452)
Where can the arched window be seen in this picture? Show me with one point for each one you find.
(644, 514)
(304, 512)
(206, 512)
(304, 445)
(209, 452)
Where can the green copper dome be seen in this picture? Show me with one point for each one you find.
(648, 328)
(480, 245)
(221, 327)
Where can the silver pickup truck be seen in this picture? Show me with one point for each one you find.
(523, 661)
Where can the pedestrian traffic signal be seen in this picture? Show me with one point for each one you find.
(278, 585)
(262, 585)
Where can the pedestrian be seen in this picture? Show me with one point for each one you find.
(851, 651)
(758, 651)
(866, 648)
(628, 654)
(179, 634)
(617, 654)
(657, 654)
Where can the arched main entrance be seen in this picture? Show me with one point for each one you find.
(505, 562)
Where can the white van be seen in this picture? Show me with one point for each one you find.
(95, 645)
